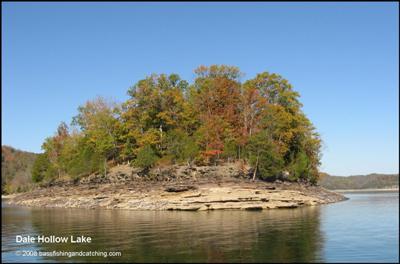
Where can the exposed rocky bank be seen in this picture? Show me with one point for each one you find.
(176, 188)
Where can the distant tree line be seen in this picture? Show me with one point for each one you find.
(16, 166)
(370, 181)
(167, 121)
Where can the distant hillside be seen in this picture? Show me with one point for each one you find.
(16, 168)
(370, 181)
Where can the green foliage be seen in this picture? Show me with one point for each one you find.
(42, 168)
(85, 161)
(299, 168)
(230, 149)
(146, 157)
(180, 146)
(264, 157)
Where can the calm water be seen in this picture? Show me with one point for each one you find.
(362, 229)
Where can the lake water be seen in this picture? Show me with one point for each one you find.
(364, 228)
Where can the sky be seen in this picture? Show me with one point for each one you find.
(343, 58)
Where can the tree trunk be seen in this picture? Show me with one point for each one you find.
(161, 131)
(255, 170)
(105, 167)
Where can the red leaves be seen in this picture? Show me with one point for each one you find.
(212, 152)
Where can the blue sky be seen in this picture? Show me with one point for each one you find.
(343, 58)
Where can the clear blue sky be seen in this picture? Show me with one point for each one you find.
(343, 58)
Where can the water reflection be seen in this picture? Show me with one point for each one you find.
(287, 235)
(364, 228)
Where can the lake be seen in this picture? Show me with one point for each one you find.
(364, 228)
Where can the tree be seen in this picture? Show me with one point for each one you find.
(41, 168)
(157, 105)
(80, 156)
(181, 147)
(146, 157)
(230, 151)
(98, 121)
(300, 167)
(216, 98)
(217, 118)
(53, 147)
(279, 114)
(264, 157)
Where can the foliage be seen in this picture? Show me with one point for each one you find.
(300, 167)
(146, 157)
(97, 119)
(180, 146)
(371, 181)
(83, 159)
(40, 168)
(264, 157)
(16, 166)
(166, 120)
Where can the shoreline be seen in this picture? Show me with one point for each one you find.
(367, 190)
(181, 188)
(232, 194)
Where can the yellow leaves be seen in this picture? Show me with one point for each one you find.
(150, 137)
(216, 109)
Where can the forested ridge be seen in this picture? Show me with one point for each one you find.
(216, 119)
(370, 181)
(16, 166)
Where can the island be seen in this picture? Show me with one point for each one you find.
(218, 143)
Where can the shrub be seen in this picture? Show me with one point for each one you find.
(146, 157)
(40, 168)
